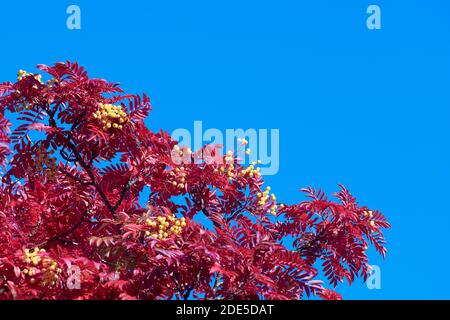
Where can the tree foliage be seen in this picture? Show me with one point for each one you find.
(73, 172)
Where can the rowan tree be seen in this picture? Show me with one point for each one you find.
(74, 170)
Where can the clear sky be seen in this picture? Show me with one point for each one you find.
(366, 108)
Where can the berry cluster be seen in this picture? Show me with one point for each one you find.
(40, 266)
(22, 74)
(110, 116)
(252, 170)
(162, 227)
(369, 214)
(45, 163)
(182, 151)
(229, 167)
(264, 199)
(244, 142)
(179, 177)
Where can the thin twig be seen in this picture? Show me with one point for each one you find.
(78, 179)
(79, 159)
(67, 232)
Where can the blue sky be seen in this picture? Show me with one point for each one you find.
(368, 109)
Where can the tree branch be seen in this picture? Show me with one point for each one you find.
(79, 180)
(67, 232)
(79, 159)
(124, 191)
